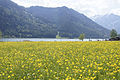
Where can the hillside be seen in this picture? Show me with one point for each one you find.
(69, 22)
(41, 22)
(109, 21)
(15, 21)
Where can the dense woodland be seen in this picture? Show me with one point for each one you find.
(41, 22)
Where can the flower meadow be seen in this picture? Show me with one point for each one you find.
(60, 60)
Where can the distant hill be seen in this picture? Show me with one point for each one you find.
(109, 21)
(42, 22)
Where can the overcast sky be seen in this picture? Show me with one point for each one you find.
(87, 7)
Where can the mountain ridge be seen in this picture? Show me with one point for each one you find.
(17, 21)
(109, 21)
(71, 15)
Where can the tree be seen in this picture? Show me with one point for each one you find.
(0, 34)
(113, 33)
(118, 35)
(82, 36)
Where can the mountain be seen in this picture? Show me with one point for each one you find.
(42, 22)
(69, 22)
(15, 21)
(109, 21)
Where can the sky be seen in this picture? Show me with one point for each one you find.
(87, 7)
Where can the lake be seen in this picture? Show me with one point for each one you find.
(42, 39)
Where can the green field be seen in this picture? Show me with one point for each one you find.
(60, 60)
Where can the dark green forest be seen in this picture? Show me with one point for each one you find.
(41, 22)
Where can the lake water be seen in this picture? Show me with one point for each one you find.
(43, 39)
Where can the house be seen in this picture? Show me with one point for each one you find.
(115, 39)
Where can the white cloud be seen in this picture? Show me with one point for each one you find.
(116, 11)
(87, 7)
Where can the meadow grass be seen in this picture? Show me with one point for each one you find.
(60, 60)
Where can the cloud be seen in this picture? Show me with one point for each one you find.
(87, 7)
(116, 11)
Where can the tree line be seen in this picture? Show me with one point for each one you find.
(113, 34)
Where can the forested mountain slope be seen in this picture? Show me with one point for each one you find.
(42, 22)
